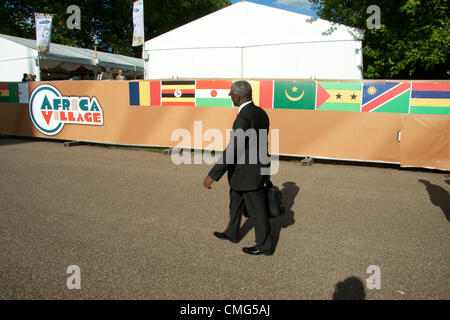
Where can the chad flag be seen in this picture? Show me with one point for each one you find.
(430, 98)
(145, 93)
(338, 96)
(178, 93)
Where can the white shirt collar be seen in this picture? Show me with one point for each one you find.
(243, 105)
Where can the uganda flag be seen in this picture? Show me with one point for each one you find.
(430, 98)
(338, 96)
(178, 93)
(145, 93)
(9, 92)
(294, 95)
(213, 93)
(386, 97)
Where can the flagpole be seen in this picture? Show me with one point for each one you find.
(143, 38)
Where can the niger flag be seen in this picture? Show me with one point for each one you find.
(213, 93)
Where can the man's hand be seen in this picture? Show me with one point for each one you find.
(208, 182)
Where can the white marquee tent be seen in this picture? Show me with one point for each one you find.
(19, 55)
(248, 40)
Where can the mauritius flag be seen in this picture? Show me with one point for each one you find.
(338, 96)
(430, 98)
(386, 97)
(213, 93)
(294, 95)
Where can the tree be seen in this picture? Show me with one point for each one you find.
(411, 43)
(109, 22)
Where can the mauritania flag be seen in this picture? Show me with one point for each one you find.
(430, 98)
(294, 95)
(386, 97)
(178, 93)
(213, 93)
(9, 92)
(145, 93)
(338, 96)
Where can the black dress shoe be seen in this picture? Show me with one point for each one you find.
(223, 236)
(252, 250)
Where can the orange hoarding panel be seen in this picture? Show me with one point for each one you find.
(119, 112)
(425, 141)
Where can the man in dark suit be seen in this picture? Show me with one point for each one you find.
(246, 161)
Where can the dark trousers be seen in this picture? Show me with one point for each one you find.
(256, 205)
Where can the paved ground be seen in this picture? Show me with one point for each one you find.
(140, 227)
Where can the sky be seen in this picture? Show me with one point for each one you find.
(299, 6)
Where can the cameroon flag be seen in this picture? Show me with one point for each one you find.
(9, 92)
(338, 96)
(294, 95)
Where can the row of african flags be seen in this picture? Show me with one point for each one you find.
(359, 96)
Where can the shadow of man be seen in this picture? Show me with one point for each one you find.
(288, 194)
(350, 289)
(438, 196)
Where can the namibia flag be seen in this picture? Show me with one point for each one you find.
(386, 97)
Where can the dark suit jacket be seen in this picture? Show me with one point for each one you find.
(245, 175)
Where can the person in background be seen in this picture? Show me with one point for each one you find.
(24, 78)
(33, 77)
(107, 75)
(120, 75)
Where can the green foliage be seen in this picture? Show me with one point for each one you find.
(412, 42)
(108, 21)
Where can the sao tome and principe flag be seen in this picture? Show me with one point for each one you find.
(294, 95)
(178, 93)
(338, 96)
(430, 98)
(145, 93)
(213, 93)
(386, 97)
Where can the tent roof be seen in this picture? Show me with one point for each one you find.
(249, 24)
(62, 53)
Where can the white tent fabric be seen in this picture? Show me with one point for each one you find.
(248, 40)
(19, 55)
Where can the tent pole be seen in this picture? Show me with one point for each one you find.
(38, 72)
(242, 62)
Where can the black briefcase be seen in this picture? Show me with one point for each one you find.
(274, 200)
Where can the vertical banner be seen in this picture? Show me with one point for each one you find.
(138, 23)
(43, 22)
